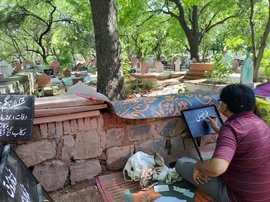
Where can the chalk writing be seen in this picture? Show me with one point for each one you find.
(202, 116)
(10, 183)
(6, 130)
(25, 195)
(8, 117)
(10, 103)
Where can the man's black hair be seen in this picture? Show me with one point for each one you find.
(238, 97)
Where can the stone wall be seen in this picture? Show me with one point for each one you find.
(80, 146)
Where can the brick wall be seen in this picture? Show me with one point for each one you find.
(87, 144)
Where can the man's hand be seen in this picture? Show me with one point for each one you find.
(214, 123)
(198, 177)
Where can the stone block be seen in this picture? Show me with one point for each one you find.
(141, 132)
(59, 129)
(103, 138)
(84, 170)
(36, 152)
(115, 137)
(100, 122)
(44, 130)
(51, 175)
(73, 126)
(118, 156)
(87, 145)
(94, 123)
(68, 146)
(66, 126)
(36, 134)
(152, 146)
(87, 123)
(170, 127)
(51, 129)
(81, 124)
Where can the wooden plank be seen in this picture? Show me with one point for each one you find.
(68, 110)
(63, 101)
(66, 117)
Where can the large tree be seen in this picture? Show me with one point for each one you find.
(195, 17)
(110, 79)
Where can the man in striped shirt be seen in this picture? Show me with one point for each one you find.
(240, 167)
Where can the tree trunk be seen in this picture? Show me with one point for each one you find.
(194, 47)
(251, 24)
(110, 78)
(259, 57)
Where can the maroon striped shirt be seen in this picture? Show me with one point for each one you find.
(244, 141)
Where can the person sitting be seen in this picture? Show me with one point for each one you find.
(239, 169)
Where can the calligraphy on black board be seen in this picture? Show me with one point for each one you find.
(17, 183)
(197, 120)
(16, 117)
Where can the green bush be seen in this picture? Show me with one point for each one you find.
(139, 86)
(220, 73)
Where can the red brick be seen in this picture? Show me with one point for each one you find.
(51, 129)
(81, 125)
(66, 125)
(100, 121)
(87, 123)
(73, 126)
(36, 134)
(59, 129)
(43, 130)
(94, 123)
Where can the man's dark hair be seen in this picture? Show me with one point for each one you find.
(238, 97)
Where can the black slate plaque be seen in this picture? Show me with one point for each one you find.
(16, 117)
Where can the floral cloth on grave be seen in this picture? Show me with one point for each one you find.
(162, 106)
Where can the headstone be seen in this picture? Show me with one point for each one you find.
(17, 183)
(134, 62)
(159, 66)
(55, 65)
(5, 69)
(16, 117)
(193, 60)
(177, 64)
(145, 67)
(247, 71)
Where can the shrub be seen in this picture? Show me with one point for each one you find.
(139, 86)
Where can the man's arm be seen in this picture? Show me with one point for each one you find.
(210, 168)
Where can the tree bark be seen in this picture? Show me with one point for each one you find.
(259, 57)
(251, 24)
(110, 78)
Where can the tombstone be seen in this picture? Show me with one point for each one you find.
(17, 183)
(55, 65)
(5, 69)
(177, 65)
(247, 71)
(193, 60)
(235, 65)
(43, 80)
(159, 66)
(16, 117)
(134, 62)
(145, 67)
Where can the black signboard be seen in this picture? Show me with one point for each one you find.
(16, 117)
(17, 183)
(198, 123)
(197, 120)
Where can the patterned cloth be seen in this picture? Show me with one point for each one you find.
(162, 106)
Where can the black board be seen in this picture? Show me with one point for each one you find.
(17, 183)
(16, 117)
(196, 120)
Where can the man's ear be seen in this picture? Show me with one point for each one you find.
(223, 107)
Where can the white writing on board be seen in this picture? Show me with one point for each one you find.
(202, 115)
(6, 130)
(25, 197)
(17, 117)
(10, 103)
(10, 183)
